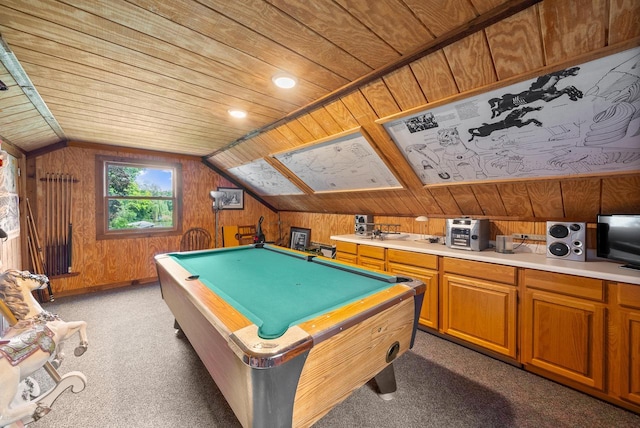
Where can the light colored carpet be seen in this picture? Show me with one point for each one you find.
(141, 375)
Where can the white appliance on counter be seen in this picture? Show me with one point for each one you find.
(466, 233)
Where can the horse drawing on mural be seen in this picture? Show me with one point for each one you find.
(33, 341)
(513, 119)
(543, 89)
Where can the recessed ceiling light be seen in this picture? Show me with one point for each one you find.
(238, 114)
(284, 81)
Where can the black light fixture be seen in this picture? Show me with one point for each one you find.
(3, 235)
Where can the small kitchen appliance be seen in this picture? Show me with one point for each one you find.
(467, 233)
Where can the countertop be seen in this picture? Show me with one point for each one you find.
(525, 256)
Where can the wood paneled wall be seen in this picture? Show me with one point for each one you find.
(548, 36)
(112, 262)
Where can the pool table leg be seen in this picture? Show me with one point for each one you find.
(386, 381)
(179, 332)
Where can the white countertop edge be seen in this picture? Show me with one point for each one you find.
(592, 268)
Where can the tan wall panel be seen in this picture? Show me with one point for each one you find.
(405, 88)
(516, 44)
(434, 76)
(620, 195)
(624, 20)
(489, 199)
(571, 28)
(546, 198)
(470, 62)
(466, 200)
(578, 198)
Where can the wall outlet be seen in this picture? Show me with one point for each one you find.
(530, 236)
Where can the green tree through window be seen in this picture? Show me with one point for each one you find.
(138, 196)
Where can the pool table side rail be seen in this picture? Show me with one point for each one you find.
(221, 314)
(329, 323)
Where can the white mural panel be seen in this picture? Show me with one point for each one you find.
(344, 163)
(263, 177)
(580, 120)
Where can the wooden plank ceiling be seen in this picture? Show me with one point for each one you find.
(162, 74)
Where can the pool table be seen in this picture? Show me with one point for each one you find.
(287, 335)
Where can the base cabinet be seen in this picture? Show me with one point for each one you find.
(423, 267)
(478, 310)
(625, 346)
(564, 327)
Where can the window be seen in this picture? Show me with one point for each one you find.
(137, 197)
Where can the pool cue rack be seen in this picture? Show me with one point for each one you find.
(58, 223)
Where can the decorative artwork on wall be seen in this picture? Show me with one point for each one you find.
(9, 202)
(233, 198)
(341, 163)
(579, 120)
(263, 177)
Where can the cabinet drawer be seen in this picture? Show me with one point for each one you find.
(371, 252)
(346, 247)
(628, 295)
(346, 257)
(490, 271)
(571, 285)
(427, 261)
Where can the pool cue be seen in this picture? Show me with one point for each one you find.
(63, 225)
(56, 243)
(70, 231)
(38, 254)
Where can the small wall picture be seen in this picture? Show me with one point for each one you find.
(300, 238)
(233, 198)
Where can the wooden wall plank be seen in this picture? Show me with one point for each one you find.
(489, 199)
(624, 20)
(516, 199)
(546, 198)
(405, 89)
(572, 28)
(578, 199)
(434, 76)
(621, 195)
(324, 118)
(341, 115)
(442, 16)
(445, 200)
(516, 45)
(314, 128)
(380, 99)
(466, 200)
(375, 15)
(470, 62)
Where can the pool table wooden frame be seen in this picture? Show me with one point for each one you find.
(297, 378)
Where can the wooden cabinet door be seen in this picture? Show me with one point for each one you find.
(625, 347)
(429, 311)
(565, 336)
(480, 312)
(630, 364)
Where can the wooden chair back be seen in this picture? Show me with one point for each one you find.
(195, 238)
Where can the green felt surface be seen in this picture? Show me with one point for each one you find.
(275, 289)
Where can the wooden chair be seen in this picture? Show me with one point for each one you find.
(195, 238)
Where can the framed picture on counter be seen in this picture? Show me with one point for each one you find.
(300, 238)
